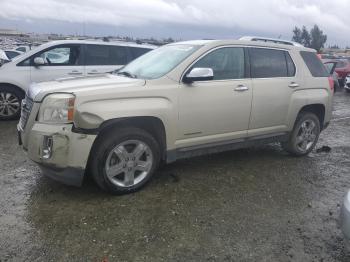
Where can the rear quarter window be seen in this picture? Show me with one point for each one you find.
(314, 64)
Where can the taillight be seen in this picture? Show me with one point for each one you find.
(331, 83)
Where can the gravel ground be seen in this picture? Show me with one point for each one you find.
(255, 204)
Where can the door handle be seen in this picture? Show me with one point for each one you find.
(293, 85)
(75, 73)
(94, 72)
(241, 88)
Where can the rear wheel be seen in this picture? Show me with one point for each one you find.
(10, 103)
(304, 135)
(124, 160)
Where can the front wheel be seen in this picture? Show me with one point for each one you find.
(304, 135)
(10, 103)
(124, 160)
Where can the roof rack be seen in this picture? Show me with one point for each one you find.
(270, 40)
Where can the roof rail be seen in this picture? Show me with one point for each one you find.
(270, 40)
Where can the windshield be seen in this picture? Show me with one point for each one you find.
(158, 62)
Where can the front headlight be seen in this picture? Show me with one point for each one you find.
(57, 109)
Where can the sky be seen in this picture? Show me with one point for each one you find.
(179, 19)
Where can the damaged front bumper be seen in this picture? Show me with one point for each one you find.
(60, 153)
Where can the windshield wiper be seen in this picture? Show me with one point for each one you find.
(127, 74)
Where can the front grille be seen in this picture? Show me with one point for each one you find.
(27, 105)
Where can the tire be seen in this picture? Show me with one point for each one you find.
(347, 90)
(304, 136)
(10, 103)
(119, 151)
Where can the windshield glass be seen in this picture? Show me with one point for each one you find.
(158, 62)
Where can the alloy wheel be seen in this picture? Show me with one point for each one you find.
(129, 163)
(306, 136)
(9, 104)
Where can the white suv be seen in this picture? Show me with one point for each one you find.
(58, 59)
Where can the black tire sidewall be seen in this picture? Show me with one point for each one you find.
(109, 141)
(291, 147)
(19, 96)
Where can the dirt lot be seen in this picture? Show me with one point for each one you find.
(248, 205)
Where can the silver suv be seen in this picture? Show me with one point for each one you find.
(181, 100)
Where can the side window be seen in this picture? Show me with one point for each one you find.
(97, 55)
(267, 63)
(118, 55)
(227, 63)
(137, 51)
(24, 62)
(61, 56)
(290, 65)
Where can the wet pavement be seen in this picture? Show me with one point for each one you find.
(257, 204)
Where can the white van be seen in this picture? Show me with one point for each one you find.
(58, 59)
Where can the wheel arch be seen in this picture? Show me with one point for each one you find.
(5, 84)
(318, 109)
(150, 124)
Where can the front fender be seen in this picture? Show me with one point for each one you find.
(90, 115)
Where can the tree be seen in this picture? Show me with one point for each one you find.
(305, 37)
(318, 39)
(314, 39)
(297, 35)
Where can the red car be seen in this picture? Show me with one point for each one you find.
(342, 69)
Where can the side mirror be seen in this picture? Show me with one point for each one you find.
(38, 61)
(199, 74)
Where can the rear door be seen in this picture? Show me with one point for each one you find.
(100, 59)
(274, 79)
(60, 61)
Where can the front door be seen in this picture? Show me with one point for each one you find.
(218, 109)
(60, 62)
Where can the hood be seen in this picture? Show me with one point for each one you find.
(38, 91)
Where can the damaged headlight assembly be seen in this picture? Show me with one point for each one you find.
(57, 109)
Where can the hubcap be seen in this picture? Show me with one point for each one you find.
(306, 135)
(9, 104)
(129, 163)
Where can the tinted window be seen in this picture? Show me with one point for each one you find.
(314, 64)
(227, 63)
(118, 55)
(11, 54)
(136, 51)
(97, 55)
(267, 63)
(61, 56)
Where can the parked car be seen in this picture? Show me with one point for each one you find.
(347, 84)
(12, 53)
(23, 48)
(57, 59)
(330, 66)
(180, 100)
(342, 69)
